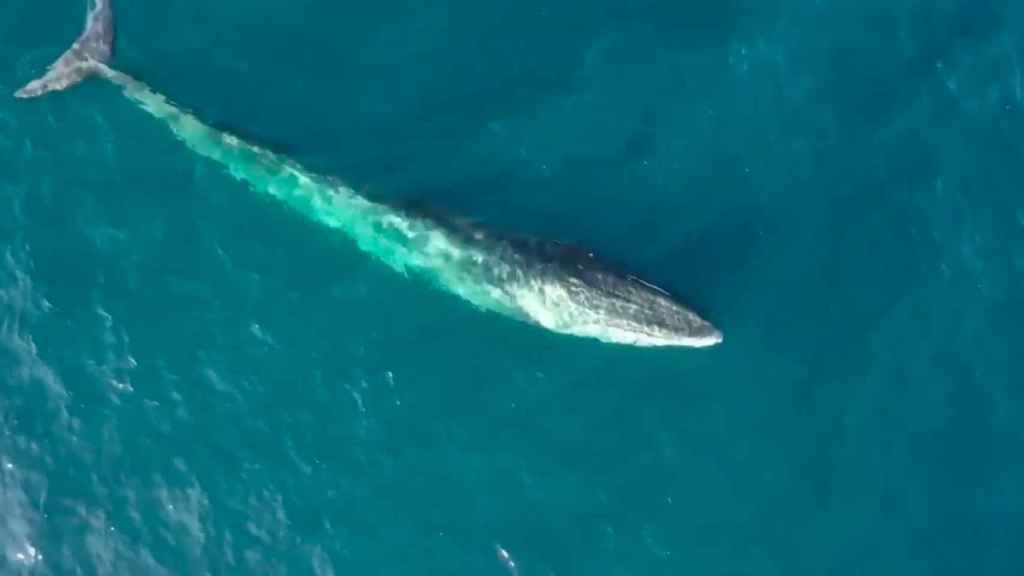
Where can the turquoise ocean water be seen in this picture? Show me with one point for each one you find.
(196, 380)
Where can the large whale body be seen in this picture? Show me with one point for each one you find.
(558, 287)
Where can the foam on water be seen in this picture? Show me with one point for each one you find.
(26, 376)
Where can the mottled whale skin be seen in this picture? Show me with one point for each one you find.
(567, 289)
(553, 285)
(94, 45)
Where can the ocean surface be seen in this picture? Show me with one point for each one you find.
(195, 379)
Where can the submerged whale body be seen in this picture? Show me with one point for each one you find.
(557, 286)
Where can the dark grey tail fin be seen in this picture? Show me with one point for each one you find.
(79, 62)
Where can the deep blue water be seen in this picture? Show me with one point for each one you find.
(196, 380)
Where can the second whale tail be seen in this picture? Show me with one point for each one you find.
(93, 46)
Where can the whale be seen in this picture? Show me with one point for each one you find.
(553, 285)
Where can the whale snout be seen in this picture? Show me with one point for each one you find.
(701, 336)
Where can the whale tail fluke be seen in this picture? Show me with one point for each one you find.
(93, 46)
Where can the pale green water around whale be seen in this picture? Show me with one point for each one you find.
(404, 244)
(194, 379)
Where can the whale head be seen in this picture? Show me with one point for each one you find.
(570, 292)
